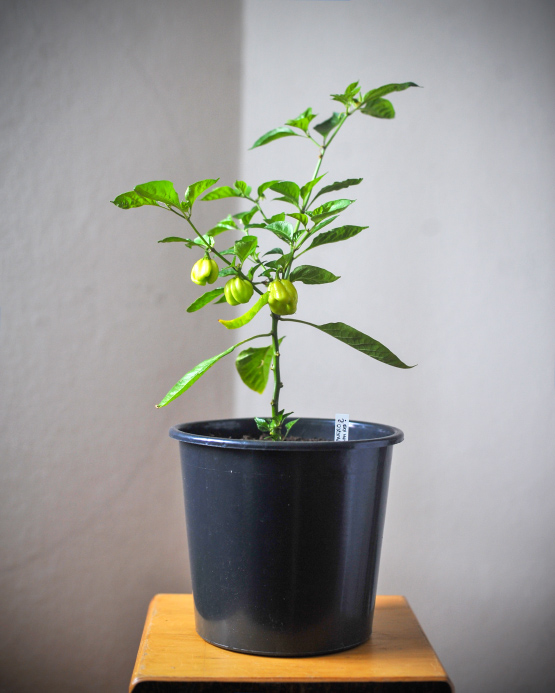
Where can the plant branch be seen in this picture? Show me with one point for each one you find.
(257, 203)
(275, 366)
(211, 248)
(303, 322)
(323, 147)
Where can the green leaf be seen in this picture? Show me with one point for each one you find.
(289, 200)
(282, 230)
(193, 375)
(274, 251)
(349, 94)
(159, 190)
(307, 188)
(308, 274)
(379, 108)
(276, 217)
(263, 425)
(226, 224)
(196, 189)
(203, 300)
(176, 239)
(243, 188)
(283, 260)
(206, 240)
(338, 186)
(288, 189)
(299, 216)
(341, 233)
(220, 193)
(227, 271)
(386, 89)
(329, 208)
(216, 231)
(288, 426)
(323, 223)
(242, 215)
(248, 316)
(245, 246)
(253, 365)
(362, 342)
(131, 199)
(352, 89)
(274, 134)
(303, 120)
(253, 269)
(245, 217)
(328, 125)
(262, 188)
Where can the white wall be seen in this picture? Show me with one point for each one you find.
(97, 97)
(456, 273)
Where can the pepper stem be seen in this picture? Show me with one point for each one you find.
(275, 367)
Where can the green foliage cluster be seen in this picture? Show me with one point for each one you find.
(298, 229)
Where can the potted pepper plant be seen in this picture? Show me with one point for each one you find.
(284, 515)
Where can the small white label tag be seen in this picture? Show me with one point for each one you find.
(341, 427)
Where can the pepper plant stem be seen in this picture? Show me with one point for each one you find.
(323, 149)
(275, 364)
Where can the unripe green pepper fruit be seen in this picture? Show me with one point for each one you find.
(204, 270)
(283, 297)
(238, 290)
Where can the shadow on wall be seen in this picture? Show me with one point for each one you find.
(100, 96)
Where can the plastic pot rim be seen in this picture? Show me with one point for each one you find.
(185, 433)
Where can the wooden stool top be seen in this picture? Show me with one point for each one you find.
(171, 652)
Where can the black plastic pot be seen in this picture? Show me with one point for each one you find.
(284, 538)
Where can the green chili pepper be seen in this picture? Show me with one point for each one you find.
(283, 297)
(238, 290)
(204, 270)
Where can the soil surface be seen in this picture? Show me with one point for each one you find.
(295, 439)
(263, 436)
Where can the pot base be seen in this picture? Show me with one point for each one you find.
(318, 653)
(241, 634)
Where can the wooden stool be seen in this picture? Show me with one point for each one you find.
(172, 657)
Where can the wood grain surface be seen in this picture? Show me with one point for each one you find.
(171, 651)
